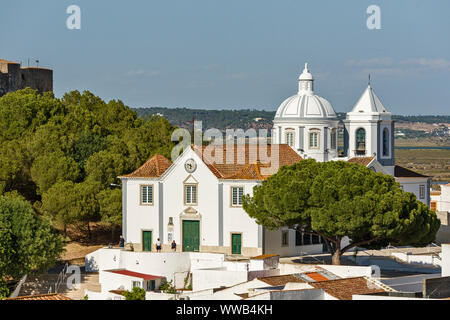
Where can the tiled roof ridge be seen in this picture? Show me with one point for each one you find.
(156, 162)
(36, 296)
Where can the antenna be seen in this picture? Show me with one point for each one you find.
(369, 80)
(37, 63)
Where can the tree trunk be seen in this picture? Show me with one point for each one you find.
(65, 232)
(89, 231)
(336, 258)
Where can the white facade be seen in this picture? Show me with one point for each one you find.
(218, 219)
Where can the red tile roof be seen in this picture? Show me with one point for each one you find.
(316, 276)
(264, 256)
(361, 160)
(343, 289)
(135, 274)
(50, 296)
(281, 280)
(153, 168)
(400, 172)
(246, 162)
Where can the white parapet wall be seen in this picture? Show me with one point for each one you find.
(171, 265)
(351, 271)
(420, 259)
(203, 279)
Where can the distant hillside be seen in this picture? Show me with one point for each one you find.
(220, 119)
(425, 119)
(245, 119)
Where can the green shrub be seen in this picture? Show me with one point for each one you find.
(135, 294)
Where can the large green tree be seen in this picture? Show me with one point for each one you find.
(57, 152)
(59, 204)
(53, 167)
(110, 203)
(337, 199)
(27, 243)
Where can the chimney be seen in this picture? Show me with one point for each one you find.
(445, 258)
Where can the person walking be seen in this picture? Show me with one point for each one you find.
(174, 246)
(158, 245)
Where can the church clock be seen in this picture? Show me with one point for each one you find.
(190, 165)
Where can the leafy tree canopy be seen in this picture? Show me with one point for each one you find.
(27, 243)
(61, 154)
(337, 199)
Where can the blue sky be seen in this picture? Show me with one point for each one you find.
(237, 54)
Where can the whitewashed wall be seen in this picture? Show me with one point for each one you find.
(214, 278)
(272, 240)
(413, 185)
(235, 219)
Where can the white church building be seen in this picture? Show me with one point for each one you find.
(196, 200)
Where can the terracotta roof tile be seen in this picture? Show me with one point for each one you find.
(121, 292)
(245, 161)
(400, 172)
(264, 256)
(129, 273)
(361, 160)
(50, 296)
(153, 168)
(281, 280)
(343, 289)
(316, 276)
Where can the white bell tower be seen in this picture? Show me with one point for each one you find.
(369, 130)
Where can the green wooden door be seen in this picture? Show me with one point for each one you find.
(236, 243)
(146, 241)
(191, 235)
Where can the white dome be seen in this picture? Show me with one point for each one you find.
(305, 104)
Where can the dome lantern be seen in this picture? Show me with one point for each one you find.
(305, 82)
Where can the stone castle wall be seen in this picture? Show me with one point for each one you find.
(13, 78)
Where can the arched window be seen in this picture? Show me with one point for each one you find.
(385, 142)
(333, 138)
(314, 139)
(360, 141)
(289, 136)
